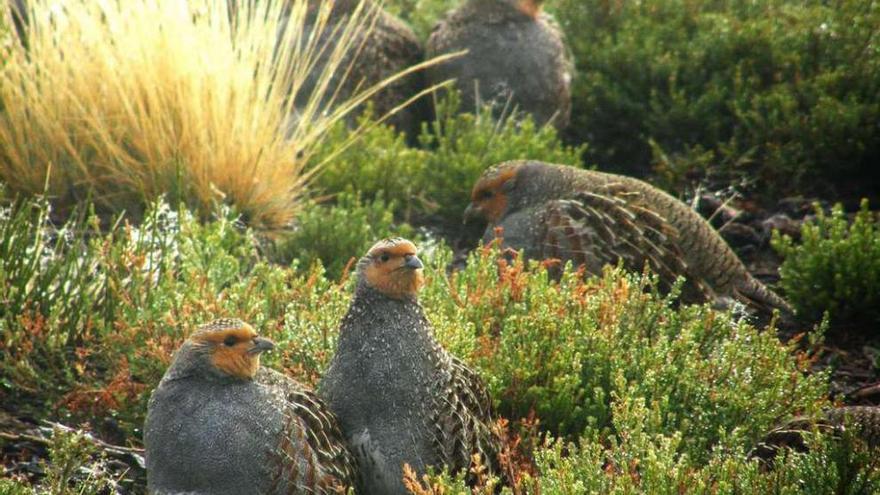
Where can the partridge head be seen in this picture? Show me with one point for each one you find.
(219, 423)
(393, 268)
(595, 219)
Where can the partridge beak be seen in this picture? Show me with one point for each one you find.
(471, 213)
(412, 261)
(261, 345)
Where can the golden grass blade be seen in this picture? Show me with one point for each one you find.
(131, 99)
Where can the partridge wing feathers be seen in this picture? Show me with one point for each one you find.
(312, 454)
(463, 418)
(594, 230)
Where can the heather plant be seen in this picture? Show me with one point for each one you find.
(378, 163)
(636, 461)
(640, 392)
(433, 181)
(462, 145)
(835, 267)
(75, 466)
(568, 351)
(194, 104)
(780, 91)
(336, 234)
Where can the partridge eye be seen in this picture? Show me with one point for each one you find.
(486, 194)
(229, 341)
(384, 257)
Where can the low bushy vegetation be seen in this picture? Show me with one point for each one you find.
(434, 179)
(606, 385)
(655, 395)
(335, 234)
(781, 93)
(835, 267)
(782, 90)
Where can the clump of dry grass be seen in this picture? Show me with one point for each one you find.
(125, 100)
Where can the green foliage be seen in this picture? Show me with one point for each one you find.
(645, 463)
(421, 15)
(378, 163)
(835, 267)
(13, 487)
(75, 466)
(558, 350)
(655, 395)
(435, 179)
(90, 318)
(782, 90)
(338, 234)
(635, 460)
(463, 145)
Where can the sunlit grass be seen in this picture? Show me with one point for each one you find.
(124, 100)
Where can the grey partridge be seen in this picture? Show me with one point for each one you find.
(594, 219)
(388, 48)
(399, 396)
(219, 424)
(517, 55)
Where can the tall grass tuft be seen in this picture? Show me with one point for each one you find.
(125, 100)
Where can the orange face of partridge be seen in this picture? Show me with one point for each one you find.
(488, 198)
(234, 350)
(394, 269)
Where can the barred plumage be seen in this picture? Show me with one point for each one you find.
(399, 396)
(217, 423)
(593, 219)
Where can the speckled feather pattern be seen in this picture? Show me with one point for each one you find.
(400, 397)
(595, 218)
(389, 48)
(204, 434)
(510, 56)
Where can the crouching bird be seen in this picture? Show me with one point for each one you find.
(219, 424)
(399, 396)
(515, 52)
(594, 219)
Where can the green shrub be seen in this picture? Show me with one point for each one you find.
(71, 453)
(463, 145)
(569, 351)
(421, 15)
(435, 180)
(636, 461)
(781, 91)
(338, 234)
(835, 267)
(89, 318)
(656, 395)
(378, 163)
(14, 487)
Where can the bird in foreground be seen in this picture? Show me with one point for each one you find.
(377, 54)
(864, 421)
(516, 52)
(595, 219)
(399, 396)
(218, 423)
